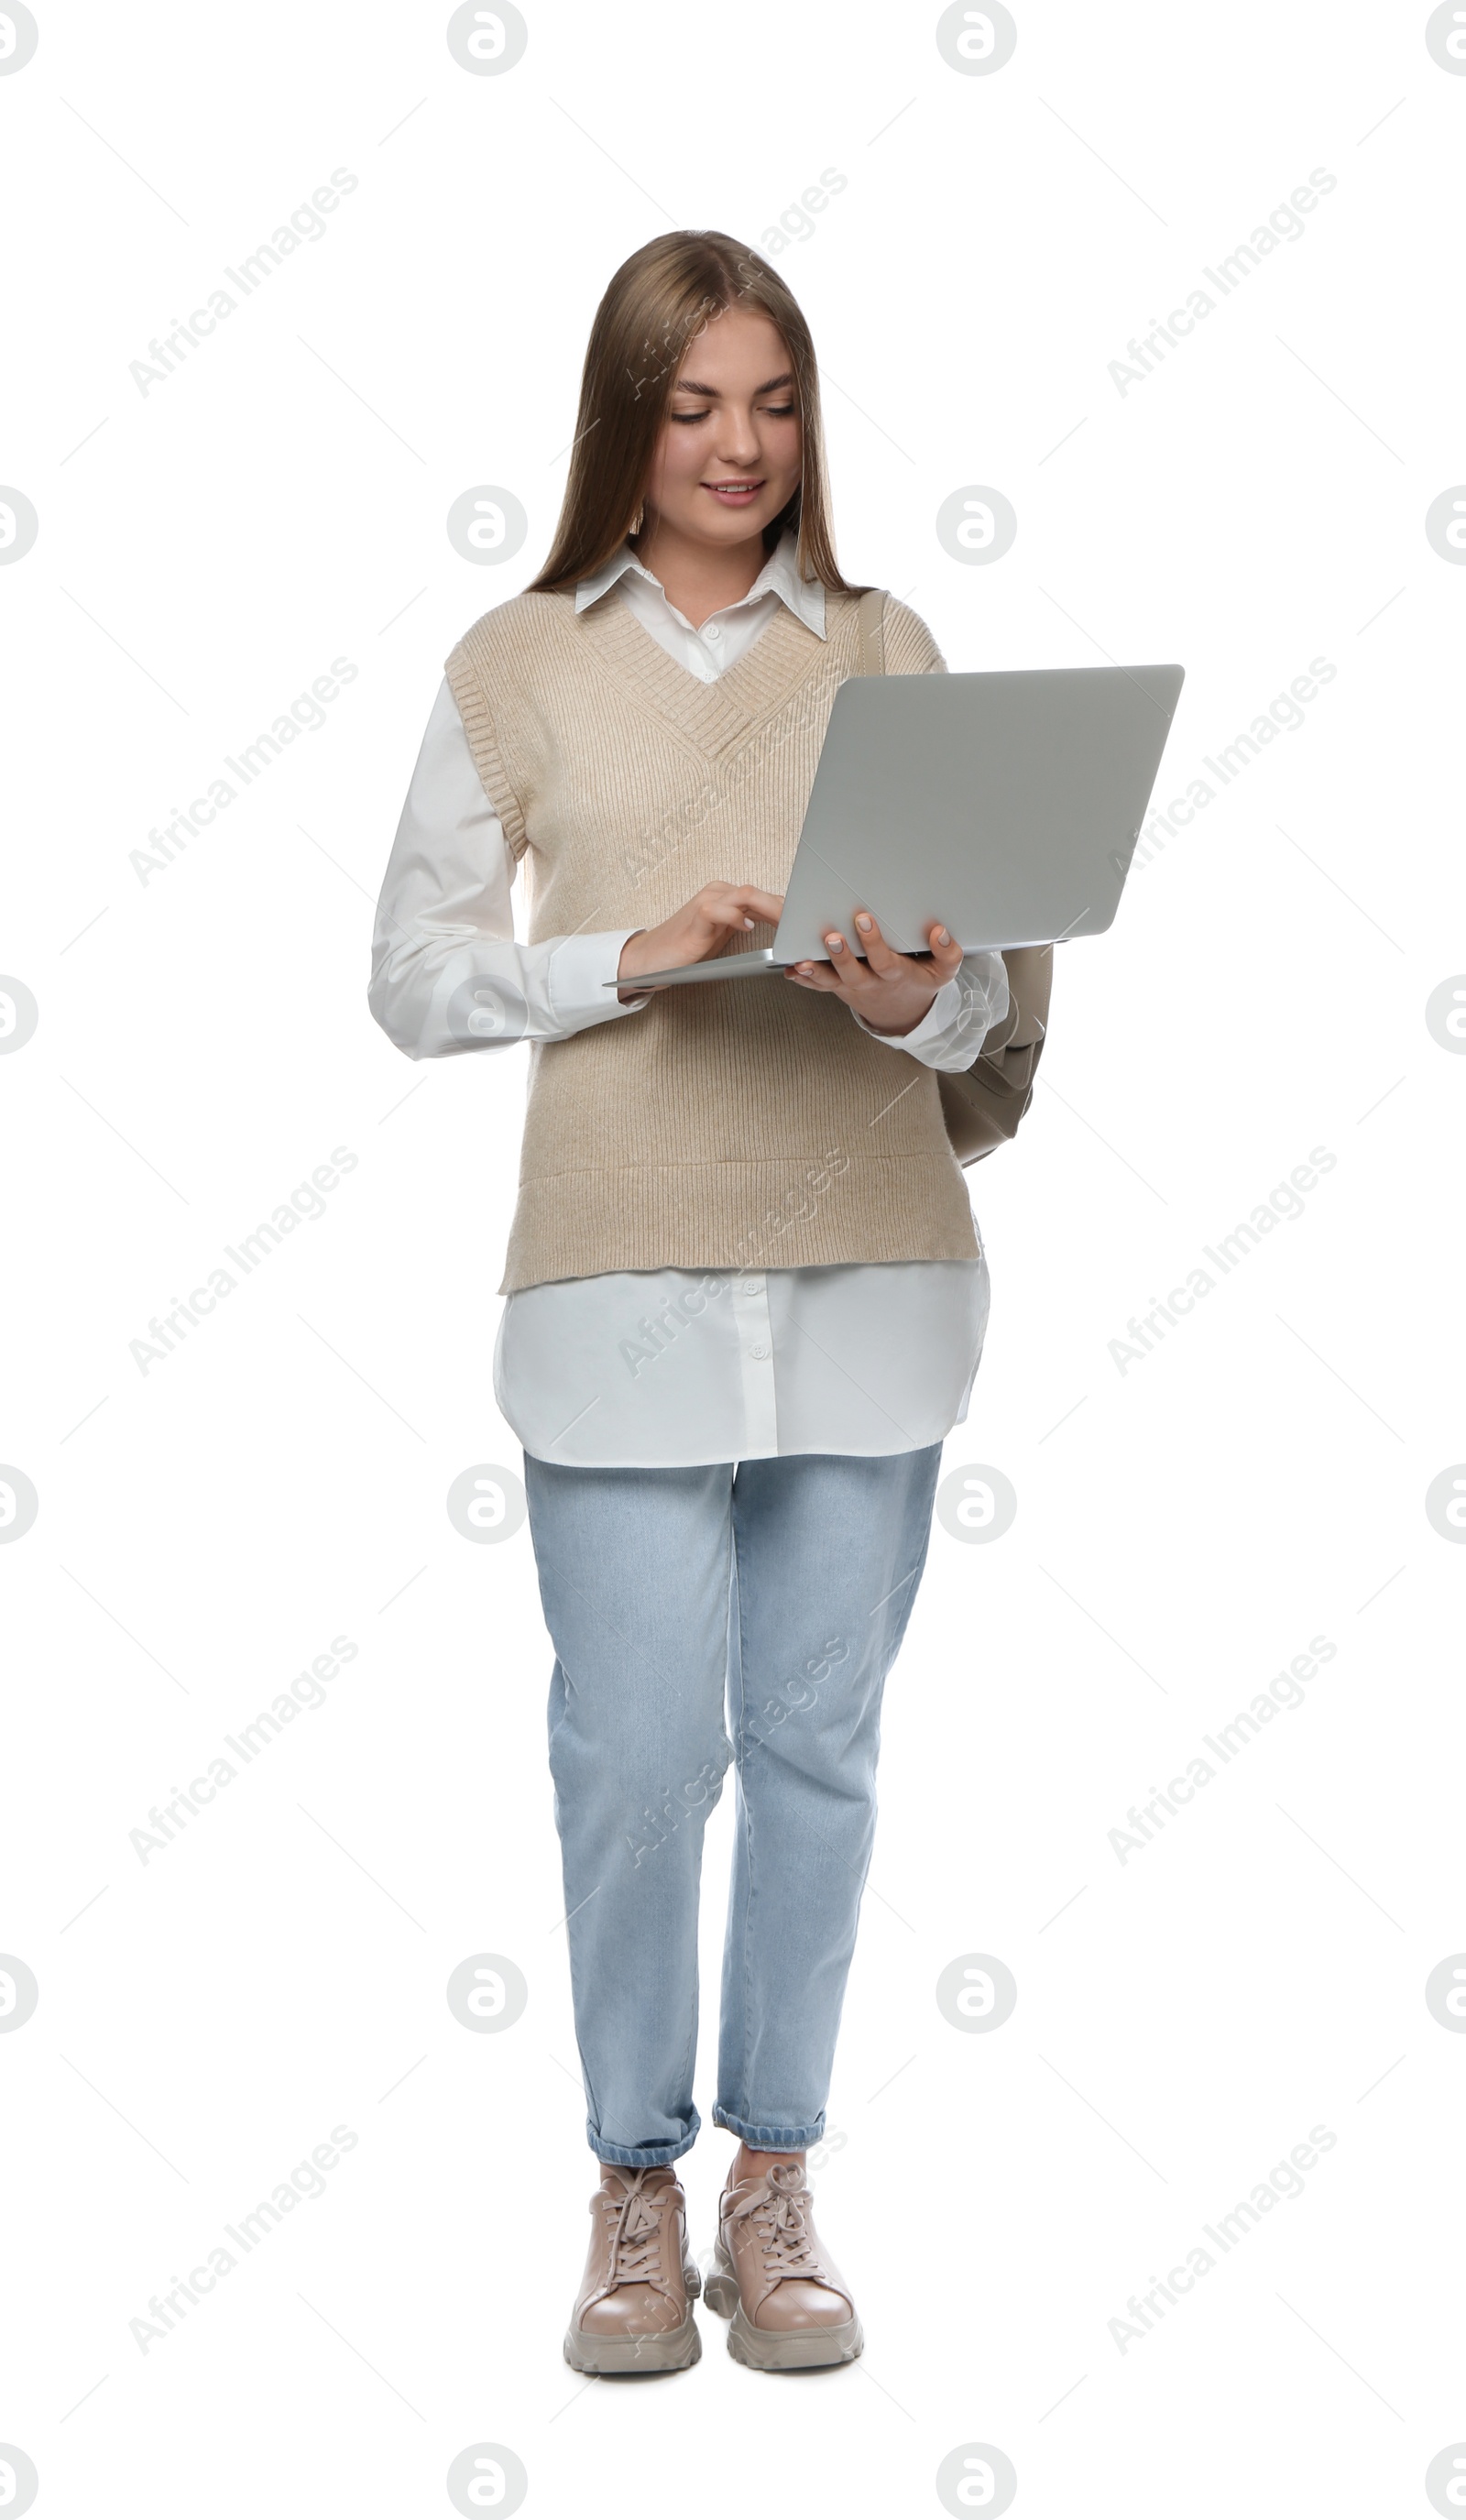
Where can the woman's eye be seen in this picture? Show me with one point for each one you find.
(770, 410)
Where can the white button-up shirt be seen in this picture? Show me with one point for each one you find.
(668, 1367)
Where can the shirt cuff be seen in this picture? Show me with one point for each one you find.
(932, 1031)
(579, 970)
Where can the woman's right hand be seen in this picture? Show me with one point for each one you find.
(701, 927)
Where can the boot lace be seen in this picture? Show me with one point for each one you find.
(635, 2254)
(777, 2216)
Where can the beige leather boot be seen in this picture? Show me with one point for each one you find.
(632, 2312)
(790, 2308)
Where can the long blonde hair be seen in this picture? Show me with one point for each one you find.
(660, 298)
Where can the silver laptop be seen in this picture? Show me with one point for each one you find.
(1005, 805)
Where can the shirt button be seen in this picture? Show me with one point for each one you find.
(712, 631)
(760, 1352)
(751, 1287)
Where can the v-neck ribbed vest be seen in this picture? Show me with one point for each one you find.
(746, 1125)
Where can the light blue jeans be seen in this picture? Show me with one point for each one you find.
(766, 1599)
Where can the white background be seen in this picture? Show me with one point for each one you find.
(1185, 1526)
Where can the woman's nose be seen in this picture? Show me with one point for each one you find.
(736, 440)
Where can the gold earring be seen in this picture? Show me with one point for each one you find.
(635, 527)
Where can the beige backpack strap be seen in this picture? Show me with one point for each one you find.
(869, 622)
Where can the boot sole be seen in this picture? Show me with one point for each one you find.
(773, 2349)
(675, 2350)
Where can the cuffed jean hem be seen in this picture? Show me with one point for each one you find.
(640, 2156)
(769, 2138)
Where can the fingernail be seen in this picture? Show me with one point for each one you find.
(835, 943)
(748, 923)
(941, 936)
(861, 921)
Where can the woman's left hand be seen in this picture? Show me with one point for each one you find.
(888, 991)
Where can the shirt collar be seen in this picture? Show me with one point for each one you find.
(779, 576)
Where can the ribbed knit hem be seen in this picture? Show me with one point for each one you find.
(732, 1215)
(484, 745)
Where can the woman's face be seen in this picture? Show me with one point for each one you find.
(727, 457)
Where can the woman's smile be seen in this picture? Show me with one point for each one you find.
(734, 494)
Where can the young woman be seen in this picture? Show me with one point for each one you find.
(745, 1299)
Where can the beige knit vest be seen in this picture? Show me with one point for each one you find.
(751, 1125)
